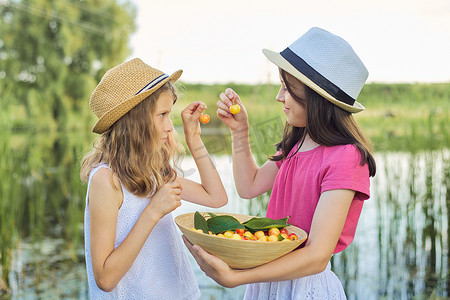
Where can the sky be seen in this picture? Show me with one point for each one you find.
(399, 41)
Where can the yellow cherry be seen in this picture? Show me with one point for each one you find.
(236, 237)
(259, 234)
(273, 238)
(234, 109)
(228, 234)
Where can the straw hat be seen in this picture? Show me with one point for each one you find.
(122, 88)
(327, 64)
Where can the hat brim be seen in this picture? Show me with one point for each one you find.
(115, 113)
(281, 62)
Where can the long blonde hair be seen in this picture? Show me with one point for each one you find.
(131, 147)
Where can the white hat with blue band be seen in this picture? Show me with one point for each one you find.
(327, 64)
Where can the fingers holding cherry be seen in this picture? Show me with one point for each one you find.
(204, 118)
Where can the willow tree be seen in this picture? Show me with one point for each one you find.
(52, 54)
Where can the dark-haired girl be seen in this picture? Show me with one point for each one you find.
(319, 175)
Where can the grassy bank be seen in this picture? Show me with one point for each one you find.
(398, 117)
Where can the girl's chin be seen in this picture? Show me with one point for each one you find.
(165, 142)
(295, 124)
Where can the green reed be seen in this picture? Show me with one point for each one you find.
(407, 220)
(41, 193)
(11, 206)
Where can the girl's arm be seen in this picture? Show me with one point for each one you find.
(250, 180)
(105, 199)
(326, 228)
(211, 191)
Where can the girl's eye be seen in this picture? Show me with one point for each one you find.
(165, 114)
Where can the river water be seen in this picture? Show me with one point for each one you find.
(400, 249)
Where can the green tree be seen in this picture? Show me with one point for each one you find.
(53, 52)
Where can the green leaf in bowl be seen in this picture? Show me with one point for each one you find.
(200, 222)
(223, 223)
(256, 224)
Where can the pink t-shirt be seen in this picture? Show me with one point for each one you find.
(305, 176)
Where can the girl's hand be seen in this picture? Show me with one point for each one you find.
(166, 199)
(213, 266)
(190, 117)
(238, 121)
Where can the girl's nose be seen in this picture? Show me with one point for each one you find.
(280, 95)
(168, 126)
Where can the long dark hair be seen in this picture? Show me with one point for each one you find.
(326, 124)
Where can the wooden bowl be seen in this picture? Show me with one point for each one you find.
(238, 254)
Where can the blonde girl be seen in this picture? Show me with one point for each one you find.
(319, 176)
(132, 247)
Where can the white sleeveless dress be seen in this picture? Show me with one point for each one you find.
(161, 269)
(322, 286)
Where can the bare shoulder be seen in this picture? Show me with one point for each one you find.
(268, 170)
(105, 178)
(105, 186)
(270, 165)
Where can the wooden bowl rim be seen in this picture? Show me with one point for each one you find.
(300, 240)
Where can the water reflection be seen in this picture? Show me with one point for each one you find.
(400, 249)
(45, 270)
(401, 245)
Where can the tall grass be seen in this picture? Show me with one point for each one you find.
(403, 231)
(11, 203)
(40, 192)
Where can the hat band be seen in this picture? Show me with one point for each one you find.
(303, 67)
(153, 83)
